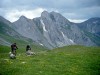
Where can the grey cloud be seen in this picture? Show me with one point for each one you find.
(67, 3)
(50, 3)
(84, 13)
(78, 9)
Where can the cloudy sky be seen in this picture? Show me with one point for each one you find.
(74, 10)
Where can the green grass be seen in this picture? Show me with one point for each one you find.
(70, 60)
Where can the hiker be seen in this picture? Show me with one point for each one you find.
(14, 48)
(28, 50)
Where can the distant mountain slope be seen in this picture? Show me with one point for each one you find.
(8, 35)
(29, 29)
(91, 27)
(51, 30)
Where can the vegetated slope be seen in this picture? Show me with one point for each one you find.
(70, 60)
(91, 27)
(8, 36)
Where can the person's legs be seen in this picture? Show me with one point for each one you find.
(14, 52)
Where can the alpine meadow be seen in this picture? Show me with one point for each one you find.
(68, 60)
(50, 37)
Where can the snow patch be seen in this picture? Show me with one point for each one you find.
(41, 44)
(71, 41)
(67, 39)
(63, 35)
(43, 25)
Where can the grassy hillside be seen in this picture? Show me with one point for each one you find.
(8, 36)
(70, 60)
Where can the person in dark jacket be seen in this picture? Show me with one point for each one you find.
(14, 48)
(28, 48)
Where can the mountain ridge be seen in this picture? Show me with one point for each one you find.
(53, 30)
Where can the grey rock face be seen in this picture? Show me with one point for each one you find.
(31, 29)
(8, 34)
(52, 30)
(54, 25)
(91, 29)
(92, 25)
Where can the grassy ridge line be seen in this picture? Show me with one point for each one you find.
(70, 60)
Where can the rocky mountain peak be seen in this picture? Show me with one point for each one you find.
(54, 30)
(5, 21)
(44, 14)
(93, 20)
(22, 17)
(54, 17)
